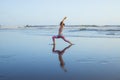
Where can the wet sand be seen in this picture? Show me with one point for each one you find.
(25, 56)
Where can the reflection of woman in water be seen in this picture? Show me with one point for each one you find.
(60, 53)
(60, 32)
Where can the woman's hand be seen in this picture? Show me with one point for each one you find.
(65, 17)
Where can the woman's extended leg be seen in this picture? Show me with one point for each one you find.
(66, 40)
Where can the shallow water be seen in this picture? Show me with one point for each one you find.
(28, 55)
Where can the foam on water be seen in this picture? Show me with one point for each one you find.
(73, 31)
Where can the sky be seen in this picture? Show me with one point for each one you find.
(51, 12)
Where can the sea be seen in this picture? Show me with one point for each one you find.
(102, 31)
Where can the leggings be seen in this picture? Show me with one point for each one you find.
(59, 36)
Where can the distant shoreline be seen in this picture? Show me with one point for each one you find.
(42, 26)
(81, 27)
(73, 25)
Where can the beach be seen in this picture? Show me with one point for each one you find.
(27, 54)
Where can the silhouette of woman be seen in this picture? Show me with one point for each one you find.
(60, 33)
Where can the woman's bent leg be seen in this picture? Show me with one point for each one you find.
(53, 39)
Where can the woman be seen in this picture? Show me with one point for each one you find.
(60, 32)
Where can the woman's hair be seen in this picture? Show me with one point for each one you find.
(62, 23)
